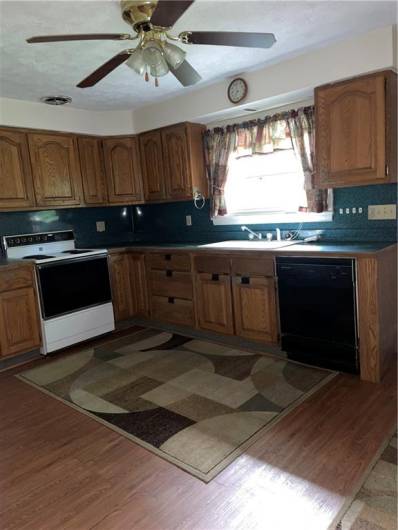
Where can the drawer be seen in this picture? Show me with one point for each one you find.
(253, 267)
(216, 264)
(15, 278)
(168, 261)
(173, 310)
(171, 283)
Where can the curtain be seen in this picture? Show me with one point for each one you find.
(294, 129)
(301, 125)
(219, 145)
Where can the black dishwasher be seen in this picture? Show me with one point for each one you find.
(317, 303)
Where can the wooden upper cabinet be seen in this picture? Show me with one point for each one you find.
(16, 187)
(178, 174)
(92, 169)
(152, 165)
(56, 170)
(123, 170)
(354, 131)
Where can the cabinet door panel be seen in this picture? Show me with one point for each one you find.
(123, 170)
(91, 164)
(16, 186)
(255, 308)
(120, 283)
(153, 165)
(19, 323)
(178, 176)
(214, 302)
(56, 171)
(138, 285)
(350, 132)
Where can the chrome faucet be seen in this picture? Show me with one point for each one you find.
(252, 234)
(278, 234)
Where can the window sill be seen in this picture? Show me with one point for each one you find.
(273, 218)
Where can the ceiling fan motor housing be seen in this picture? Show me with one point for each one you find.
(137, 13)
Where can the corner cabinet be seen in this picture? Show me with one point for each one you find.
(123, 170)
(92, 169)
(356, 135)
(16, 185)
(56, 169)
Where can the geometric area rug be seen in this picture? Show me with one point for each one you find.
(195, 403)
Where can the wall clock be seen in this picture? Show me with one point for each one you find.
(237, 90)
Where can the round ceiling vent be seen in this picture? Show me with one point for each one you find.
(56, 100)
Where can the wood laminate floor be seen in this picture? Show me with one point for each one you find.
(60, 469)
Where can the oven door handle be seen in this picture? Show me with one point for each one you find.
(70, 261)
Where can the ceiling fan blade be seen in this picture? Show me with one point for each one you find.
(84, 36)
(104, 70)
(230, 38)
(186, 74)
(167, 12)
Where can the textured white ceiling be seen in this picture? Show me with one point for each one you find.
(31, 71)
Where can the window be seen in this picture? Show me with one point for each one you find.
(266, 188)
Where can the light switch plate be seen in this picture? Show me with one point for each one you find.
(100, 226)
(188, 220)
(382, 211)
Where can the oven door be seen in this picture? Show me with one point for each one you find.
(68, 286)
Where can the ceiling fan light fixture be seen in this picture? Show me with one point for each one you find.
(174, 55)
(137, 62)
(154, 59)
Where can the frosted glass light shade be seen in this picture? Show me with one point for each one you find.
(137, 62)
(153, 57)
(174, 55)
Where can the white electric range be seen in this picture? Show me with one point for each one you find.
(73, 285)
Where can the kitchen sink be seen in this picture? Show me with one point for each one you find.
(251, 244)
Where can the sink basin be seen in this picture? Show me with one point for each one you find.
(250, 244)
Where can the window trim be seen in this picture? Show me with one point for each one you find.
(272, 218)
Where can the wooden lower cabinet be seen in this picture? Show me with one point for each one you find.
(174, 310)
(19, 319)
(255, 308)
(214, 302)
(128, 281)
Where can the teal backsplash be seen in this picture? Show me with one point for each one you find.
(166, 222)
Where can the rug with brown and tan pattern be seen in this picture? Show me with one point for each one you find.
(196, 403)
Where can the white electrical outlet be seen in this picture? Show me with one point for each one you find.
(360, 210)
(188, 220)
(382, 211)
(341, 211)
(100, 226)
(347, 211)
(354, 210)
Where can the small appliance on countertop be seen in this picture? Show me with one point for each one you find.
(73, 285)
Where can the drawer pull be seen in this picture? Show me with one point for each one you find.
(169, 274)
(170, 300)
(167, 257)
(245, 280)
(215, 277)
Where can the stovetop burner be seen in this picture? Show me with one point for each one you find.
(37, 256)
(76, 251)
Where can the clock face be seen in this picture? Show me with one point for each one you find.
(237, 90)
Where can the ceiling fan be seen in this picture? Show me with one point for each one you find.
(154, 55)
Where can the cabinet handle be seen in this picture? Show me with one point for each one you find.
(169, 274)
(215, 277)
(167, 257)
(170, 300)
(245, 280)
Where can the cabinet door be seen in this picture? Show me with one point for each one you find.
(351, 132)
(120, 283)
(16, 187)
(91, 165)
(56, 170)
(178, 176)
(138, 285)
(214, 302)
(255, 308)
(152, 165)
(19, 323)
(123, 170)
